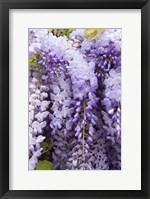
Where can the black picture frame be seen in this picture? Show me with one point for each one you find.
(5, 5)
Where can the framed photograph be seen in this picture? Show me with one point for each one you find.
(74, 99)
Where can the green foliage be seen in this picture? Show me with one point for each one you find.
(69, 31)
(93, 33)
(61, 32)
(89, 33)
(44, 165)
(33, 62)
(100, 30)
(50, 29)
(47, 147)
(44, 146)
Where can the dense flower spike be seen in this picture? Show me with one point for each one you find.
(84, 87)
(112, 113)
(75, 99)
(38, 105)
(105, 51)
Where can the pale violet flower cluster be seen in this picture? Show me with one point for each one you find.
(112, 114)
(38, 105)
(105, 51)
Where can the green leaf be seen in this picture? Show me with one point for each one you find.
(89, 33)
(100, 30)
(44, 165)
(44, 146)
(31, 59)
(93, 33)
(59, 32)
(50, 29)
(33, 62)
(69, 31)
(55, 31)
(95, 37)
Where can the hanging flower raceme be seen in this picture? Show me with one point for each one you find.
(60, 96)
(84, 86)
(38, 112)
(106, 53)
(112, 111)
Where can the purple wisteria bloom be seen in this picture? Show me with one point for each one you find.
(75, 99)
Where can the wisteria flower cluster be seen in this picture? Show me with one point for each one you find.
(74, 99)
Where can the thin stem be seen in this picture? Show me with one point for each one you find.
(44, 152)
